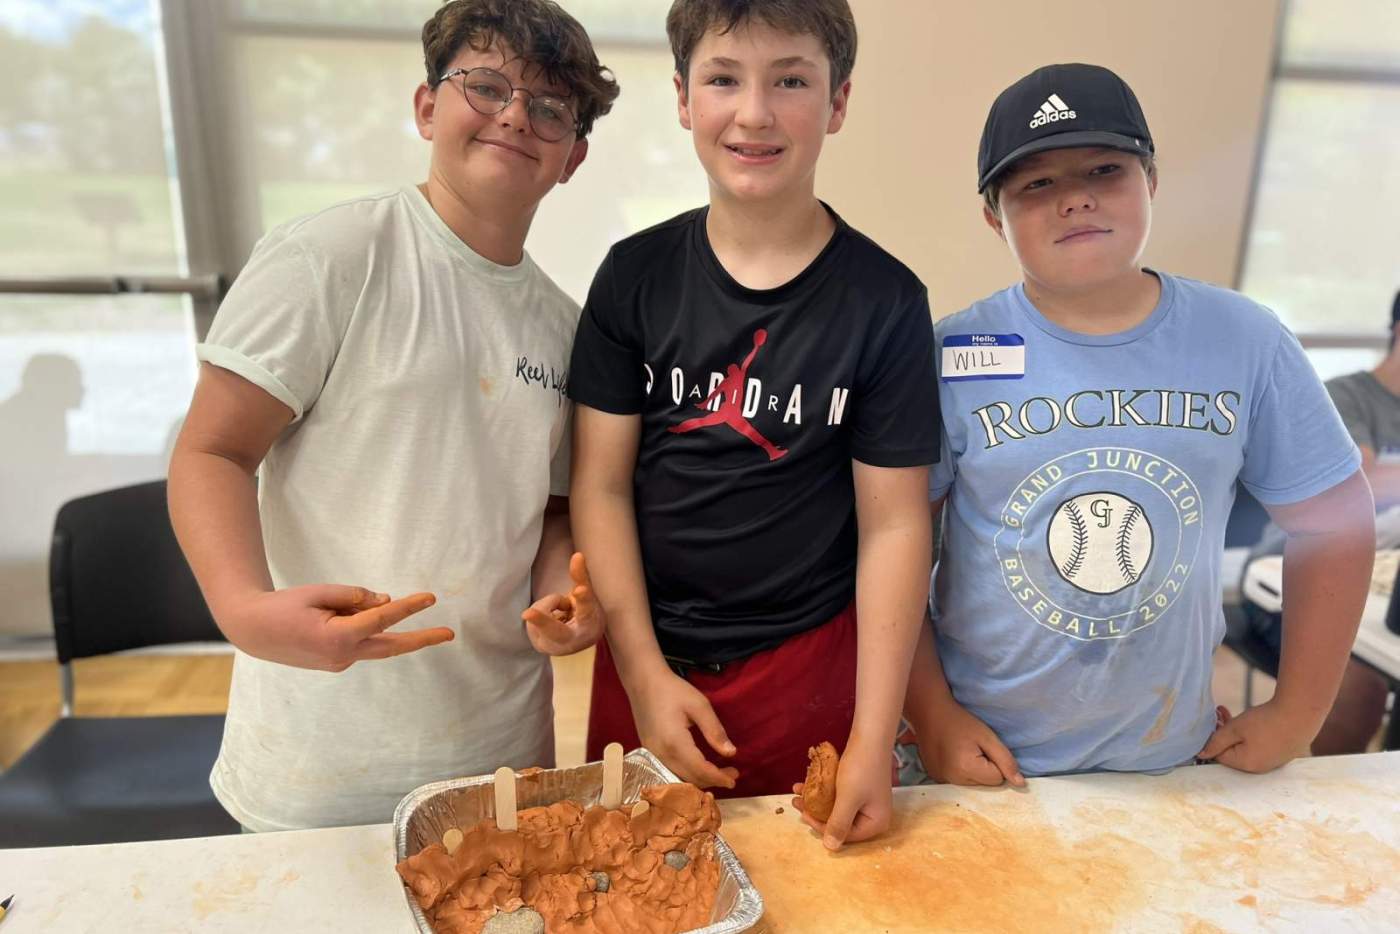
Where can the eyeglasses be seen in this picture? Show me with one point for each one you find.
(490, 92)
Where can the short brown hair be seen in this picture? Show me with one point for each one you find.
(539, 31)
(829, 20)
(991, 195)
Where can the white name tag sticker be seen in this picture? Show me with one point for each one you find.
(983, 356)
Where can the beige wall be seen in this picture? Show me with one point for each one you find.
(903, 169)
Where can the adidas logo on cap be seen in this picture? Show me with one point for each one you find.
(1052, 110)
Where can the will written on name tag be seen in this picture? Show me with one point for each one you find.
(983, 356)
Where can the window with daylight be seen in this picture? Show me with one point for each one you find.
(327, 111)
(1323, 247)
(91, 386)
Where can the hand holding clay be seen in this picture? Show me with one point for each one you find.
(864, 802)
(327, 627)
(1262, 738)
(960, 749)
(664, 711)
(562, 624)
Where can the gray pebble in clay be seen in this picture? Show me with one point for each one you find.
(603, 881)
(677, 860)
(520, 921)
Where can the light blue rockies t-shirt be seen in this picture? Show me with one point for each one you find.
(1089, 479)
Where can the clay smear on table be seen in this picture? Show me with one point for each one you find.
(1268, 861)
(994, 869)
(549, 864)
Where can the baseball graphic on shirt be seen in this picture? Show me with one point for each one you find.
(1100, 542)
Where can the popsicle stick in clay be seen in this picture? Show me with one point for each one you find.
(612, 777)
(505, 798)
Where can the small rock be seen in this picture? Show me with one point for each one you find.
(677, 860)
(451, 840)
(604, 883)
(778, 811)
(520, 921)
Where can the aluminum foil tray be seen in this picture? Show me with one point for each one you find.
(426, 813)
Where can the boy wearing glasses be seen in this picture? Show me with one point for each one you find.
(755, 386)
(1097, 418)
(393, 369)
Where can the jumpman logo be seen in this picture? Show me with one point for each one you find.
(730, 393)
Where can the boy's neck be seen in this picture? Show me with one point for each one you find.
(1110, 307)
(764, 244)
(493, 231)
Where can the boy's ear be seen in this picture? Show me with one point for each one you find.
(682, 100)
(993, 221)
(576, 157)
(424, 100)
(1152, 185)
(839, 103)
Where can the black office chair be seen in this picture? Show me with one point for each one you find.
(117, 580)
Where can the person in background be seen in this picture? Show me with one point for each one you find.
(1369, 403)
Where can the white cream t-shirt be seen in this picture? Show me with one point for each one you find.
(431, 426)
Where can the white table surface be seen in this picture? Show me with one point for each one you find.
(1313, 846)
(1375, 645)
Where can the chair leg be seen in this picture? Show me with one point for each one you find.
(65, 688)
(1390, 739)
(1248, 685)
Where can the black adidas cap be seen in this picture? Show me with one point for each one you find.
(1061, 107)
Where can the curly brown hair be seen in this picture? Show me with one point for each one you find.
(537, 30)
(830, 21)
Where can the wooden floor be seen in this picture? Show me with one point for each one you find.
(135, 685)
(138, 685)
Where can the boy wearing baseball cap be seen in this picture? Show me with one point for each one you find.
(1097, 416)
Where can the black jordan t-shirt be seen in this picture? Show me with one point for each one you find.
(753, 405)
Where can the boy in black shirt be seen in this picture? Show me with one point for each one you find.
(757, 407)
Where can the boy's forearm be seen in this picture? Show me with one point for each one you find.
(605, 528)
(892, 571)
(928, 687)
(549, 573)
(1325, 581)
(214, 511)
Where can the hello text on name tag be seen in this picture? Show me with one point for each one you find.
(983, 356)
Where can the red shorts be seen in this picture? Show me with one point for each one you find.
(774, 705)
